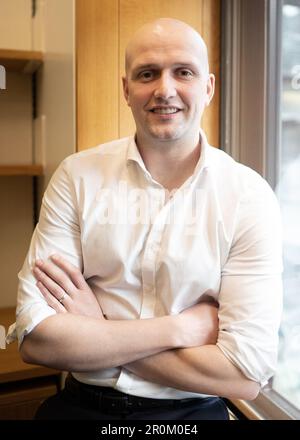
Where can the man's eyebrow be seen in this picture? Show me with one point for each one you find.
(188, 65)
(146, 66)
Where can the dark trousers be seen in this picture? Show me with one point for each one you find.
(63, 406)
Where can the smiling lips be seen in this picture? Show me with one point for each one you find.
(165, 110)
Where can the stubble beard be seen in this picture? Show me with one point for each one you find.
(165, 133)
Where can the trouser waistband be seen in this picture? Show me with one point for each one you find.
(111, 401)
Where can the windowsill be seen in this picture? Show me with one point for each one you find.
(269, 405)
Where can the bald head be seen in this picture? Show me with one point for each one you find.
(165, 31)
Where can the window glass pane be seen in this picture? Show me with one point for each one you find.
(287, 379)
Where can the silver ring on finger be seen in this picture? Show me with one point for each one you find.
(61, 300)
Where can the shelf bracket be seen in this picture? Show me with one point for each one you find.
(35, 210)
(33, 8)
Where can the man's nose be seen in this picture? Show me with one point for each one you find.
(165, 87)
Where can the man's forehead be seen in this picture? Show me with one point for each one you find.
(165, 42)
(165, 37)
(164, 54)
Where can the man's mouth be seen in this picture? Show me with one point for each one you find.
(165, 110)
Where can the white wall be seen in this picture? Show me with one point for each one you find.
(55, 127)
(15, 24)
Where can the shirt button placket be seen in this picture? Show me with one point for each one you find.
(149, 260)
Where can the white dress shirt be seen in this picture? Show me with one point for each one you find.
(146, 253)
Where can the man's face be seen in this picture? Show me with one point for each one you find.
(167, 87)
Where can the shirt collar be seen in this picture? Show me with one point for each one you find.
(203, 161)
(133, 154)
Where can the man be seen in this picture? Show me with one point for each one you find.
(163, 227)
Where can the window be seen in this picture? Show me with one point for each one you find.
(287, 379)
(261, 90)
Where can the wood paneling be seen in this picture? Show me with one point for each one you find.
(102, 113)
(211, 32)
(98, 79)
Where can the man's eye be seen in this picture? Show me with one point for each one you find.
(146, 75)
(185, 73)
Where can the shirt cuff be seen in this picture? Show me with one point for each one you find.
(27, 320)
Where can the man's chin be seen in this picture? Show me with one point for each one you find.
(166, 135)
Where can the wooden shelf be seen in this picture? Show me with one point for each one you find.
(24, 61)
(21, 170)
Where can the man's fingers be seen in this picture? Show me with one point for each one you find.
(72, 271)
(50, 299)
(52, 287)
(58, 276)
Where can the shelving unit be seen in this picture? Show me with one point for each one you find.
(27, 62)
(24, 61)
(21, 170)
(38, 90)
(23, 386)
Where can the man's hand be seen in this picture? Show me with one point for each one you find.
(201, 323)
(57, 278)
(65, 289)
(197, 325)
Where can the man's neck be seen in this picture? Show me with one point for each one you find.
(171, 164)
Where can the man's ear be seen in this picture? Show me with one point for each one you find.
(125, 89)
(210, 88)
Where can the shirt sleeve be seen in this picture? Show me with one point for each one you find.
(57, 231)
(251, 287)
